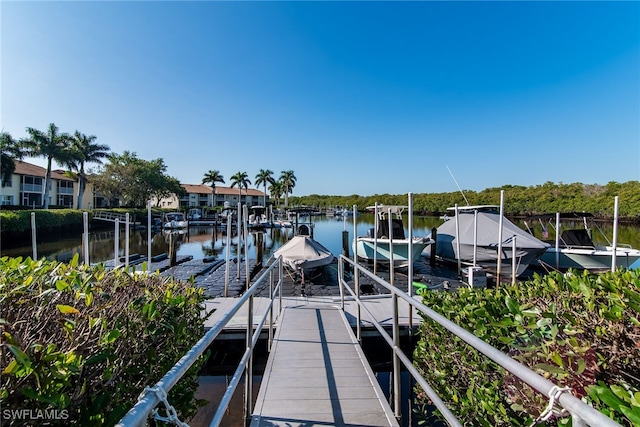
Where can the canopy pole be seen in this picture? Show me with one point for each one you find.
(557, 239)
(615, 234)
(148, 235)
(410, 252)
(458, 239)
(499, 260)
(375, 238)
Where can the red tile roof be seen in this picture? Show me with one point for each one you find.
(206, 189)
(24, 168)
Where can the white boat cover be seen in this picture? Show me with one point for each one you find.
(304, 253)
(488, 223)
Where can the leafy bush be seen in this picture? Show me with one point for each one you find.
(577, 330)
(46, 220)
(87, 341)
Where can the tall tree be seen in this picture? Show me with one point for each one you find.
(276, 191)
(83, 151)
(10, 152)
(240, 179)
(288, 180)
(134, 180)
(264, 177)
(51, 144)
(211, 178)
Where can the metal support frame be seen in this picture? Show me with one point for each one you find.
(581, 413)
(137, 416)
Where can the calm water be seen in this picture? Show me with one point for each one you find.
(205, 241)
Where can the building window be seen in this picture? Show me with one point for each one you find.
(65, 187)
(6, 200)
(32, 184)
(65, 200)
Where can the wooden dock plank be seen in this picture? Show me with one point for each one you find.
(317, 374)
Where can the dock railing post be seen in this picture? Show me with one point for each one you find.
(397, 407)
(615, 234)
(513, 261)
(34, 246)
(391, 269)
(410, 253)
(558, 225)
(410, 258)
(458, 239)
(126, 240)
(375, 238)
(340, 279)
(149, 235)
(500, 228)
(245, 226)
(248, 380)
(116, 244)
(270, 341)
(85, 237)
(238, 232)
(228, 257)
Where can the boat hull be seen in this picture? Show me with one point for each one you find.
(487, 258)
(175, 225)
(365, 249)
(598, 259)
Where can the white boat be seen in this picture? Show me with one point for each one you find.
(472, 236)
(378, 241)
(304, 255)
(195, 214)
(174, 220)
(258, 218)
(574, 247)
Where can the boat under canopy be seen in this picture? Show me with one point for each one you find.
(575, 248)
(477, 237)
(388, 241)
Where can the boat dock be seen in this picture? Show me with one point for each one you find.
(317, 374)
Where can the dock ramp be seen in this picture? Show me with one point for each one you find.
(317, 375)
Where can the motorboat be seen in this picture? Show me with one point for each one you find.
(477, 236)
(175, 220)
(574, 246)
(195, 214)
(304, 255)
(258, 218)
(381, 245)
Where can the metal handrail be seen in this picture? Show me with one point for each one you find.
(148, 400)
(581, 413)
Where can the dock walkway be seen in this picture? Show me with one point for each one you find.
(317, 375)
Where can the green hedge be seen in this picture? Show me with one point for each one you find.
(46, 220)
(86, 341)
(578, 330)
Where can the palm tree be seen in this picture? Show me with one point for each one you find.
(9, 153)
(50, 144)
(264, 177)
(276, 191)
(211, 178)
(288, 180)
(83, 151)
(241, 179)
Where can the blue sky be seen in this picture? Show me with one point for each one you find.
(354, 97)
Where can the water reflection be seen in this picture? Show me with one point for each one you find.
(207, 241)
